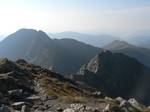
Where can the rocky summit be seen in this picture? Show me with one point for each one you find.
(29, 88)
(117, 74)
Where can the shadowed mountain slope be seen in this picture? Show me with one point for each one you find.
(117, 75)
(141, 54)
(64, 55)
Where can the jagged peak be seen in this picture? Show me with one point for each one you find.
(104, 59)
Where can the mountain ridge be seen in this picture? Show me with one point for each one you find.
(109, 72)
(140, 40)
(38, 48)
(141, 54)
(94, 40)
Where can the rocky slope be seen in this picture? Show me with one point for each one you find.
(23, 83)
(117, 75)
(30, 88)
(36, 47)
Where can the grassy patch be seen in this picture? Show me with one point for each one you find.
(64, 91)
(76, 99)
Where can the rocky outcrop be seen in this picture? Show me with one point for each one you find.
(116, 74)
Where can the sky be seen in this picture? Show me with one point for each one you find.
(118, 17)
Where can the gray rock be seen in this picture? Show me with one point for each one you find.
(25, 108)
(33, 98)
(78, 107)
(69, 110)
(18, 105)
(135, 103)
(38, 110)
(120, 99)
(97, 94)
(107, 108)
(82, 108)
(108, 99)
(128, 106)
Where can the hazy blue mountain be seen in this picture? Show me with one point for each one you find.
(141, 54)
(95, 40)
(2, 37)
(117, 74)
(64, 55)
(142, 40)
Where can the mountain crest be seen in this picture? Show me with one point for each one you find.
(109, 72)
(118, 44)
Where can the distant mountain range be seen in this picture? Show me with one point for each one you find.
(117, 74)
(141, 54)
(95, 40)
(63, 55)
(142, 40)
(117, 69)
